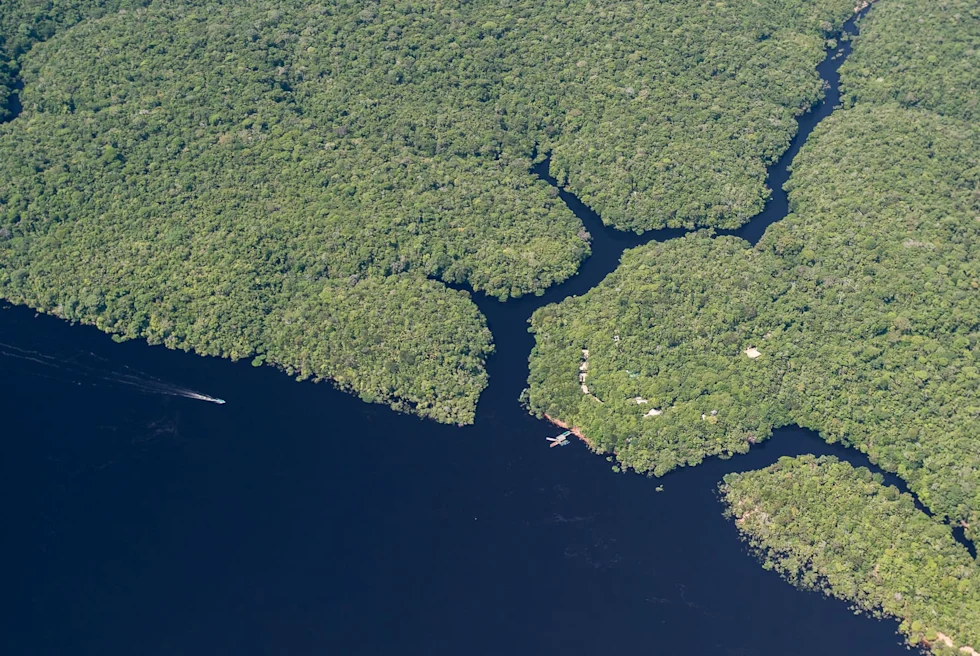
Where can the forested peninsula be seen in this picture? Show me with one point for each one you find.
(296, 183)
(311, 186)
(828, 526)
(856, 316)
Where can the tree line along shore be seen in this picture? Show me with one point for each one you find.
(300, 184)
(296, 183)
(855, 316)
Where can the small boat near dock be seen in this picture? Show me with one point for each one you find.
(559, 440)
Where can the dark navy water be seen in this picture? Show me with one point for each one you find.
(298, 520)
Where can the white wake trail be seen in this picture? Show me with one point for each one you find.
(111, 374)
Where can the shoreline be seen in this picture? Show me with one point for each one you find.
(575, 430)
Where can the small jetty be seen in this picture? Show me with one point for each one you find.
(559, 440)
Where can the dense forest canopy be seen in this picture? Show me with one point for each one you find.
(288, 180)
(856, 316)
(26, 22)
(300, 183)
(826, 525)
(657, 113)
(919, 54)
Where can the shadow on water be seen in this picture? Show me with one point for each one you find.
(297, 519)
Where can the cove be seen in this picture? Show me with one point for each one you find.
(298, 520)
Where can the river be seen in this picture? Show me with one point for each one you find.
(298, 520)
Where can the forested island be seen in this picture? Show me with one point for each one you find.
(294, 183)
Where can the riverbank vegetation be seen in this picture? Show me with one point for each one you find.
(287, 181)
(861, 306)
(828, 526)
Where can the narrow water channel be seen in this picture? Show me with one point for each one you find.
(608, 246)
(298, 520)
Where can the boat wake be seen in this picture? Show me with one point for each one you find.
(90, 369)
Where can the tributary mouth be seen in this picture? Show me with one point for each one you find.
(608, 244)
